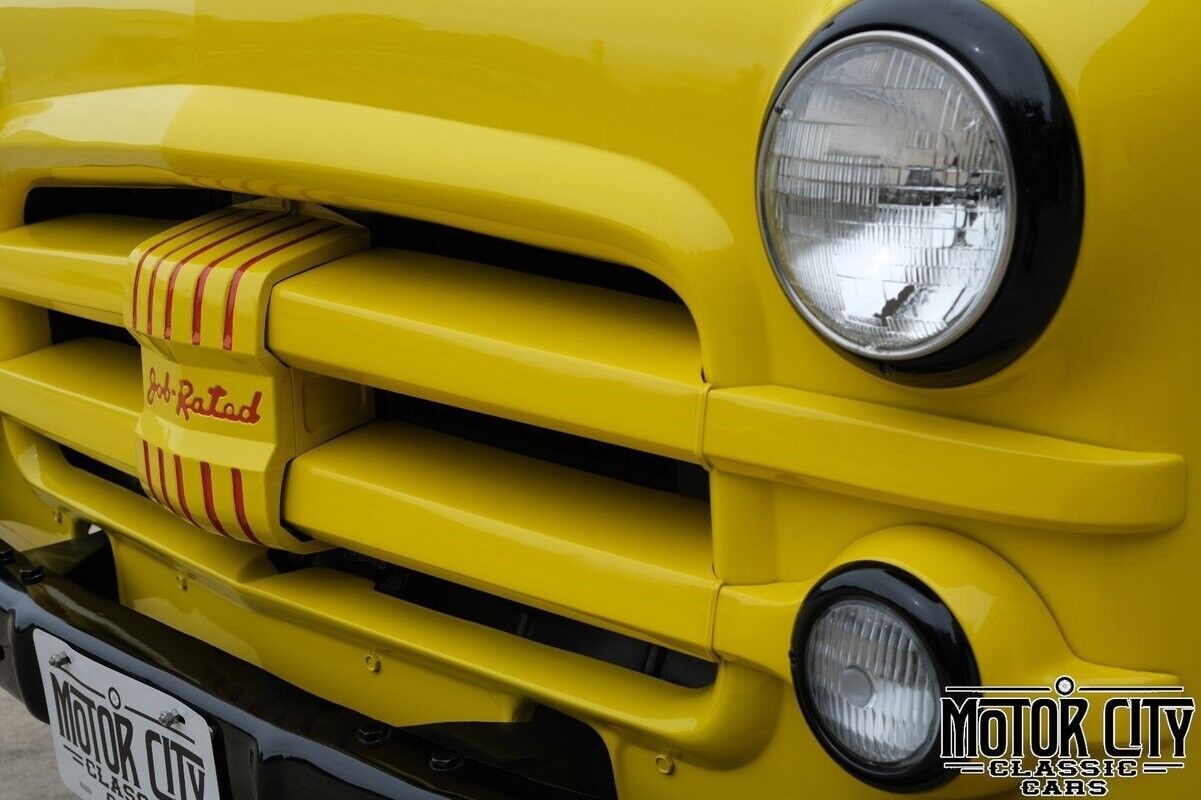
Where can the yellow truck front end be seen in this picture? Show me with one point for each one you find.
(432, 396)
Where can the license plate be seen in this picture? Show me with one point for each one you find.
(116, 738)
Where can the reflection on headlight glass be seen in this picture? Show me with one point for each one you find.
(887, 196)
(872, 683)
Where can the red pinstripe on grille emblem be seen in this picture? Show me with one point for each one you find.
(202, 279)
(137, 274)
(162, 480)
(242, 253)
(181, 490)
(206, 478)
(231, 299)
(159, 263)
(240, 507)
(186, 259)
(149, 475)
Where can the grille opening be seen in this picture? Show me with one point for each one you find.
(443, 240)
(101, 470)
(613, 461)
(588, 455)
(509, 616)
(170, 203)
(66, 328)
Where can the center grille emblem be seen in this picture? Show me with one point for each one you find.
(222, 416)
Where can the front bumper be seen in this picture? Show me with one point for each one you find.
(273, 740)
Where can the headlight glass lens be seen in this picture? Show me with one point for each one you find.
(887, 195)
(872, 683)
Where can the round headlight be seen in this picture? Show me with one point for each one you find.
(887, 195)
(872, 654)
(872, 683)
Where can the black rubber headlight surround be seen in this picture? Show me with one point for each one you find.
(872, 652)
(921, 191)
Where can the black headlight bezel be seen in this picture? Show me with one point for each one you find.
(934, 624)
(1048, 178)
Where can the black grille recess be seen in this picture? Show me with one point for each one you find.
(518, 619)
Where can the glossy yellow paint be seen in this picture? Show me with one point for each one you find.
(921, 460)
(628, 130)
(445, 330)
(85, 393)
(23, 328)
(77, 265)
(396, 492)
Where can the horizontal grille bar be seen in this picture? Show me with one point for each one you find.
(580, 359)
(77, 264)
(602, 551)
(86, 394)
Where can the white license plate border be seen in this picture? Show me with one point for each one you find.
(106, 740)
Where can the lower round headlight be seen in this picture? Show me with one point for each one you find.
(872, 683)
(873, 652)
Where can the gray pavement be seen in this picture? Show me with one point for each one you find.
(27, 768)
